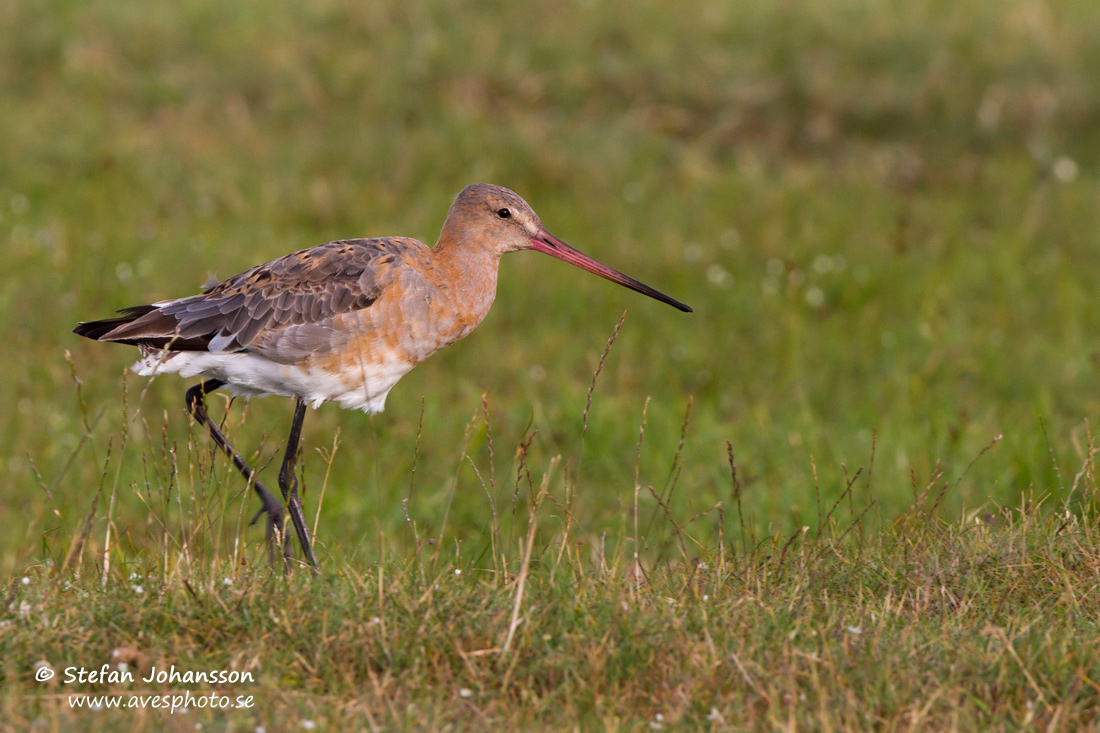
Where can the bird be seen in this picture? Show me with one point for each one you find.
(339, 322)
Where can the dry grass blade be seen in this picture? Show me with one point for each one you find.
(596, 374)
(676, 467)
(680, 534)
(76, 549)
(328, 457)
(737, 497)
(847, 492)
(525, 566)
(522, 469)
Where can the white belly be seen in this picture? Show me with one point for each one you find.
(250, 375)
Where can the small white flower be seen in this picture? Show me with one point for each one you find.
(854, 630)
(123, 667)
(1065, 169)
(309, 725)
(227, 581)
(458, 572)
(706, 597)
(25, 580)
(714, 715)
(465, 693)
(259, 729)
(719, 276)
(139, 589)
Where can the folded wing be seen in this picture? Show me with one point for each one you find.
(290, 301)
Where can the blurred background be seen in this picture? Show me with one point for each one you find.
(885, 215)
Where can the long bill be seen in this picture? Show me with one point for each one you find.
(547, 243)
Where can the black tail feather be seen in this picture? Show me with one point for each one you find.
(101, 330)
(96, 330)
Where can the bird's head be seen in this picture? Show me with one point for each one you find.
(494, 218)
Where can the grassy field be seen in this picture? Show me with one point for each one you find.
(885, 216)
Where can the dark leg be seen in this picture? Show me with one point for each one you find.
(271, 506)
(288, 482)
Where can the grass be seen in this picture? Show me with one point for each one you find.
(884, 215)
(979, 623)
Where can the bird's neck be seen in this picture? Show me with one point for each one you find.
(465, 253)
(467, 269)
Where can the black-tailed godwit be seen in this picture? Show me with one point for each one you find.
(340, 322)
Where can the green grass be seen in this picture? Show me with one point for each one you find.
(981, 624)
(884, 214)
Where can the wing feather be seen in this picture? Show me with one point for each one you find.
(306, 289)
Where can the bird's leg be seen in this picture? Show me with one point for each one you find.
(288, 482)
(196, 405)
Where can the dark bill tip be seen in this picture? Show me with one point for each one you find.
(547, 243)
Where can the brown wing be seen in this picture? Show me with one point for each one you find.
(304, 290)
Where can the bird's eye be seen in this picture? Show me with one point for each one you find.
(504, 213)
